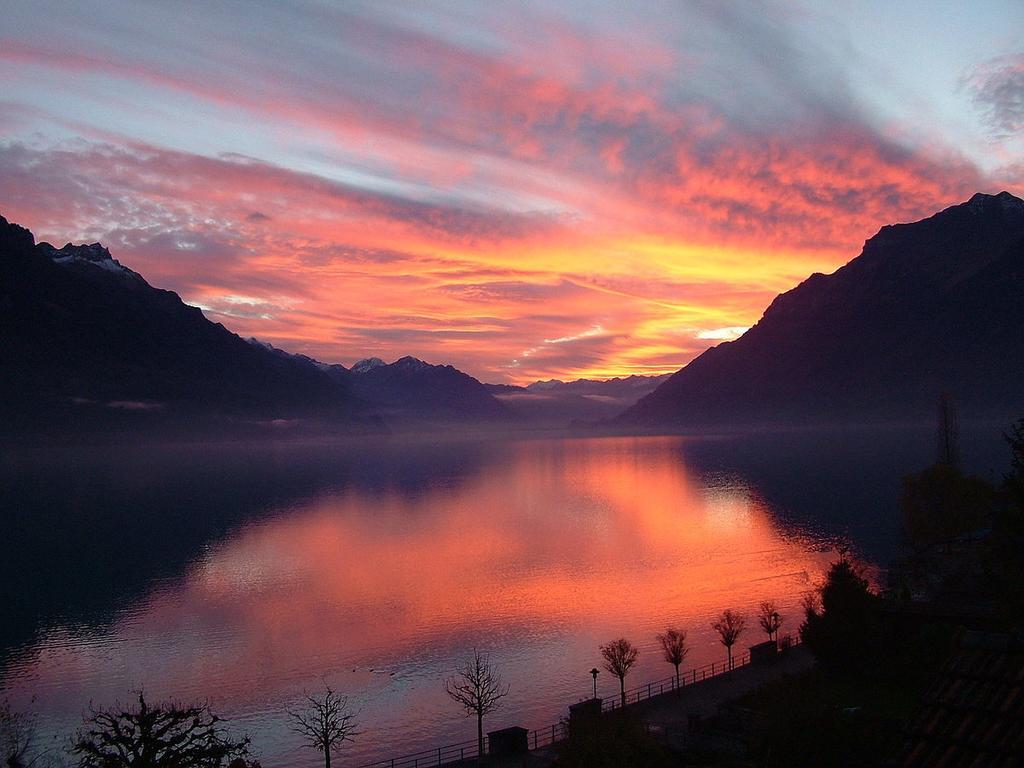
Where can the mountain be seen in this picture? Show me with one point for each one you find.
(929, 307)
(86, 344)
(411, 389)
(555, 402)
(362, 366)
(628, 387)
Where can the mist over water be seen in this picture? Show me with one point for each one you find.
(250, 573)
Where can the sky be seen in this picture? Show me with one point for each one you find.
(524, 190)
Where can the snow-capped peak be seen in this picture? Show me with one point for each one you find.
(362, 366)
(94, 254)
(291, 355)
(263, 344)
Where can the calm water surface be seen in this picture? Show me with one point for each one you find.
(250, 574)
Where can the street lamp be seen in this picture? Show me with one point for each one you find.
(594, 672)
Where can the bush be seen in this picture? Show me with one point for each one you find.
(617, 740)
(842, 629)
(942, 503)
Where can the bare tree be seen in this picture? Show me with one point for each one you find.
(479, 689)
(729, 628)
(811, 601)
(673, 645)
(147, 736)
(17, 738)
(770, 620)
(326, 723)
(619, 657)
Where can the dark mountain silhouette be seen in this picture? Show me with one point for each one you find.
(619, 387)
(557, 402)
(409, 389)
(930, 307)
(86, 343)
(412, 389)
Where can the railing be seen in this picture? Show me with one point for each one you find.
(447, 755)
(668, 684)
(545, 737)
(454, 754)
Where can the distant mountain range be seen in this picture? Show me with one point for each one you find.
(86, 343)
(557, 403)
(408, 389)
(930, 307)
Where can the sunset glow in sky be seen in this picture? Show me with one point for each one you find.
(525, 190)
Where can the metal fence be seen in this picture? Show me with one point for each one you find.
(453, 754)
(668, 684)
(545, 737)
(450, 754)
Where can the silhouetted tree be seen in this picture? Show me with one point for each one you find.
(479, 689)
(673, 646)
(17, 738)
(942, 503)
(839, 628)
(619, 657)
(325, 723)
(811, 601)
(729, 627)
(1008, 533)
(770, 620)
(162, 736)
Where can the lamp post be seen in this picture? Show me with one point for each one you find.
(594, 672)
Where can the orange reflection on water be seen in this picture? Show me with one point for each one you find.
(547, 549)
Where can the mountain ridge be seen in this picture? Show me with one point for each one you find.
(927, 307)
(86, 342)
(561, 403)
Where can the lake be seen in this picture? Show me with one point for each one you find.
(248, 574)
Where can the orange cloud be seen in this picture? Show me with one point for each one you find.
(466, 202)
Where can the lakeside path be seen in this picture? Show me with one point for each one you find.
(668, 714)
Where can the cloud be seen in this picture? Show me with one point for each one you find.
(996, 87)
(338, 272)
(466, 184)
(723, 334)
(509, 290)
(597, 330)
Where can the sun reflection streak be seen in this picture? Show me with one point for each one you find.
(539, 556)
